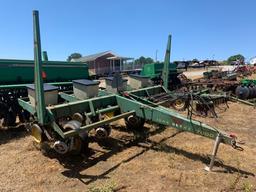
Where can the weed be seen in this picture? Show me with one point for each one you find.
(234, 183)
(109, 187)
(247, 187)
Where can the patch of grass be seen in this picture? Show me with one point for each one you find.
(171, 162)
(234, 183)
(247, 187)
(109, 187)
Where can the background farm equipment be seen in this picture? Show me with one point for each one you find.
(15, 75)
(246, 92)
(163, 73)
(243, 70)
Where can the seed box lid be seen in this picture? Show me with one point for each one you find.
(112, 78)
(86, 82)
(138, 76)
(47, 87)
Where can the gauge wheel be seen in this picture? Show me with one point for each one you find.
(134, 122)
(179, 104)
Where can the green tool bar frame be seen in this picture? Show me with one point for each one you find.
(97, 124)
(168, 117)
(110, 103)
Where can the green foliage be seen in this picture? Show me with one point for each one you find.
(225, 62)
(74, 56)
(109, 187)
(144, 60)
(234, 183)
(247, 187)
(240, 58)
(195, 61)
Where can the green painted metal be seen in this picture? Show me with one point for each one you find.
(45, 56)
(98, 124)
(22, 86)
(83, 106)
(39, 90)
(152, 70)
(137, 101)
(242, 101)
(143, 94)
(21, 71)
(68, 109)
(167, 117)
(248, 82)
(165, 74)
(68, 96)
(24, 103)
(151, 112)
(58, 130)
(166, 71)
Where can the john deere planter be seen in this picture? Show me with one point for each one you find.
(66, 125)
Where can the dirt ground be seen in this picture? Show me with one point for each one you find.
(161, 160)
(196, 73)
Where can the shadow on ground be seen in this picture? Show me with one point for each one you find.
(77, 164)
(10, 133)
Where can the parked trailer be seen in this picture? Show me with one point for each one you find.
(66, 125)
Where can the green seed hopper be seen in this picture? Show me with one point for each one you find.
(66, 125)
(22, 71)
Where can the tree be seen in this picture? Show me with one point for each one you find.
(143, 60)
(74, 56)
(195, 61)
(149, 60)
(236, 58)
(225, 62)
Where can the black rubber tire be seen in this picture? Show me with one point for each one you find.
(24, 116)
(3, 110)
(134, 123)
(10, 119)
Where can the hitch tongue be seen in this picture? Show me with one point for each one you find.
(234, 143)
